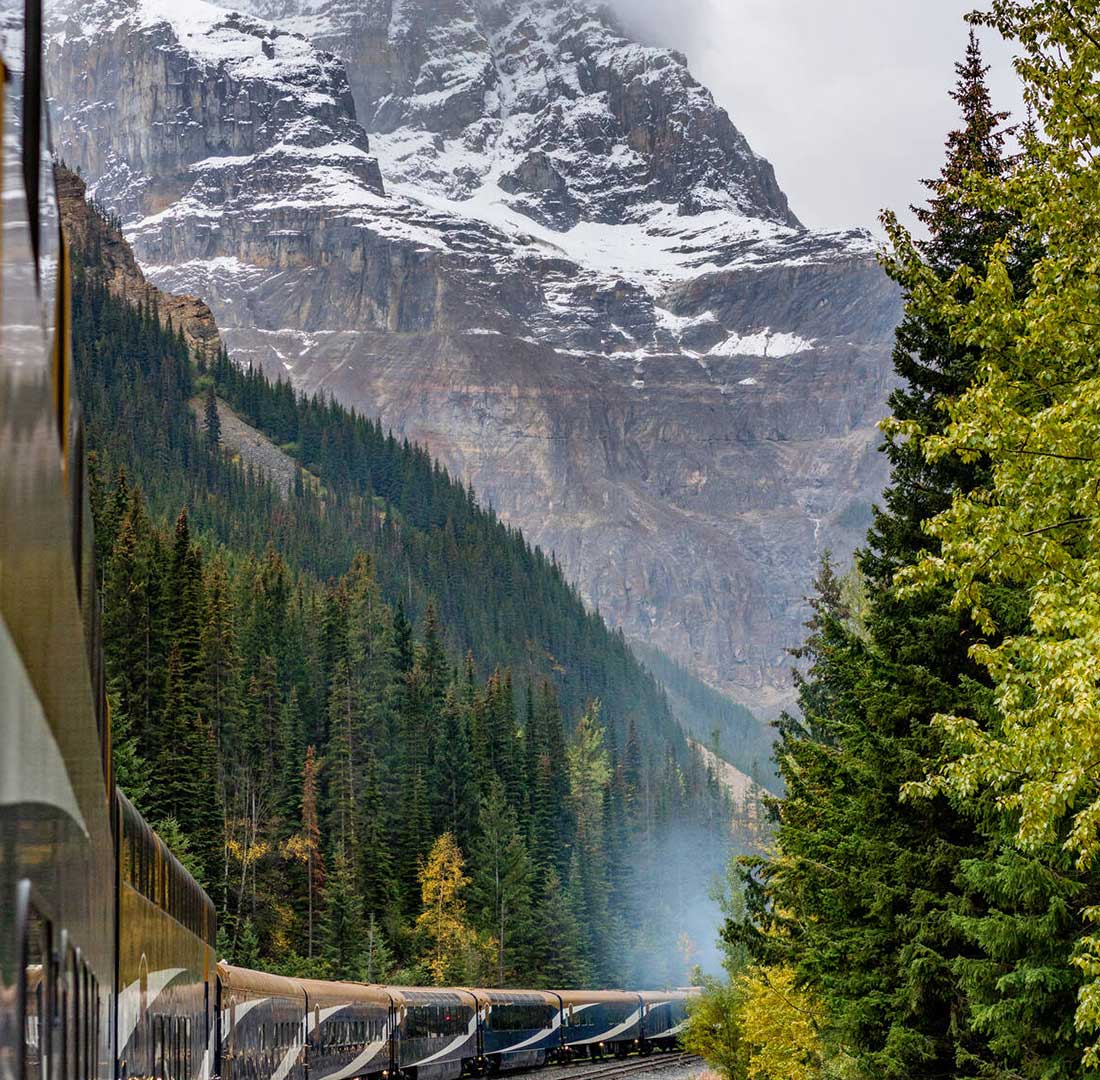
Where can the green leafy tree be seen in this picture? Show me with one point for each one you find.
(1028, 528)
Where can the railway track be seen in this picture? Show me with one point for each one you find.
(615, 1070)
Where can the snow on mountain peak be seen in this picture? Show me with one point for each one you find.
(545, 102)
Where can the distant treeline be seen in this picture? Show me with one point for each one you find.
(728, 728)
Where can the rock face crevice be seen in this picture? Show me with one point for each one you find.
(533, 245)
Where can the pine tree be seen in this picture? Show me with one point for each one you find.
(343, 930)
(343, 717)
(867, 896)
(560, 945)
(311, 834)
(454, 808)
(380, 889)
(212, 423)
(378, 963)
(220, 688)
(501, 883)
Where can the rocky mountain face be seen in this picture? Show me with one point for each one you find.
(535, 246)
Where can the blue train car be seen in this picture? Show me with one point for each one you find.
(435, 1032)
(599, 1022)
(263, 1026)
(349, 1030)
(664, 1017)
(519, 1029)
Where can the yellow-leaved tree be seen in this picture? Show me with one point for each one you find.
(760, 1025)
(780, 1024)
(454, 949)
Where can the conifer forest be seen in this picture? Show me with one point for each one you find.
(397, 707)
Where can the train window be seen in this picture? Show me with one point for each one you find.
(159, 1055)
(72, 1017)
(87, 1010)
(95, 1027)
(519, 1017)
(32, 116)
(35, 989)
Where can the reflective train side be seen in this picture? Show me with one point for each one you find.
(57, 879)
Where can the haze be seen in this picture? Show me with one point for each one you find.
(847, 99)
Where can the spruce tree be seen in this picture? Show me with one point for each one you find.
(342, 931)
(212, 423)
(559, 942)
(500, 887)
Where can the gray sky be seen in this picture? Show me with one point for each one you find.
(846, 98)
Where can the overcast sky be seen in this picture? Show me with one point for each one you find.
(846, 98)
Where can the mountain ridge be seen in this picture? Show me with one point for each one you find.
(682, 407)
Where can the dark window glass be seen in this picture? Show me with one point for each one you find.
(73, 1034)
(36, 1004)
(521, 1016)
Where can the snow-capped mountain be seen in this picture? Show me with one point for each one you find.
(534, 245)
(544, 107)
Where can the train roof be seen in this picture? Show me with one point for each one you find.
(655, 997)
(499, 996)
(595, 997)
(323, 992)
(405, 995)
(259, 982)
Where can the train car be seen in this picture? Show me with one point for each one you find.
(167, 982)
(436, 1032)
(262, 1026)
(518, 1029)
(599, 1022)
(57, 894)
(349, 1027)
(664, 1016)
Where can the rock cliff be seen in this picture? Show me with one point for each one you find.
(542, 250)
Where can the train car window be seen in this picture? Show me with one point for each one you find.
(88, 1021)
(35, 990)
(98, 1019)
(519, 1017)
(71, 1014)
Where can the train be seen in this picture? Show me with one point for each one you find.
(108, 962)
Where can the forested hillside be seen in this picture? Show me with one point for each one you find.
(383, 729)
(729, 729)
(930, 908)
